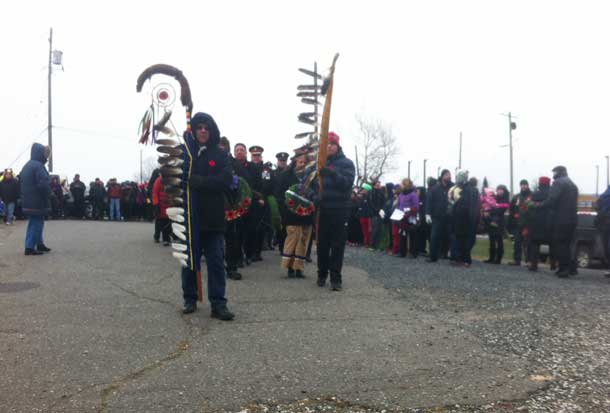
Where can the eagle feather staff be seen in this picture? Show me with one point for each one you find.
(177, 164)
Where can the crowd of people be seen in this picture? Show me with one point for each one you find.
(443, 220)
(114, 201)
(289, 206)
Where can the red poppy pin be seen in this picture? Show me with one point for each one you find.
(212, 163)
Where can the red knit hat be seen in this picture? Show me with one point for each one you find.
(333, 138)
(544, 181)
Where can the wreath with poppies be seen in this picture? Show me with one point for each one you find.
(242, 202)
(298, 204)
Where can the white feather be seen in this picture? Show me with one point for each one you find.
(178, 228)
(175, 211)
(180, 256)
(179, 247)
(176, 218)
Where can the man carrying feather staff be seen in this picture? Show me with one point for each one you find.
(211, 178)
(335, 179)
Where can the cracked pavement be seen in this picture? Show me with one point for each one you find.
(103, 331)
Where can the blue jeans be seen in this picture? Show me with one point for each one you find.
(33, 233)
(115, 209)
(213, 245)
(10, 212)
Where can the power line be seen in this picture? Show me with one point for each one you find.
(27, 147)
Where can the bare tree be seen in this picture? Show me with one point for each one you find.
(148, 166)
(377, 148)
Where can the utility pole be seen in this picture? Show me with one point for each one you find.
(607, 170)
(460, 160)
(50, 122)
(511, 127)
(596, 180)
(409, 170)
(425, 161)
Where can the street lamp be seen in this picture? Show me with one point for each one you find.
(607, 170)
(425, 162)
(596, 180)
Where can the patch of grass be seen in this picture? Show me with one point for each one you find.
(481, 249)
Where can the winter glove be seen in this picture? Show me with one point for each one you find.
(382, 213)
(197, 181)
(428, 219)
(235, 183)
(156, 210)
(326, 172)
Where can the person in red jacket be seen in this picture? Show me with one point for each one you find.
(160, 207)
(114, 200)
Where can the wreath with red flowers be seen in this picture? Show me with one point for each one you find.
(298, 204)
(242, 203)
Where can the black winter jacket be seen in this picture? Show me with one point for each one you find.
(466, 211)
(377, 200)
(539, 221)
(213, 172)
(562, 200)
(437, 201)
(365, 206)
(35, 183)
(337, 188)
(9, 190)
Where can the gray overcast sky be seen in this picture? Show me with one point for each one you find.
(431, 69)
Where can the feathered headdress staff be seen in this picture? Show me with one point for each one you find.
(176, 162)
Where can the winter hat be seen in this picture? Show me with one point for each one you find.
(544, 181)
(461, 177)
(524, 182)
(367, 187)
(560, 171)
(333, 138)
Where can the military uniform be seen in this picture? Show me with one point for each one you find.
(254, 219)
(279, 196)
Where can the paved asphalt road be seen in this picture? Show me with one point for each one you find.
(96, 326)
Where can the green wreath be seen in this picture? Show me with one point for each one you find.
(242, 203)
(298, 204)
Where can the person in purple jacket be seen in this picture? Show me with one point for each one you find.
(405, 231)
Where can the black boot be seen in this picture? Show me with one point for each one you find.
(335, 282)
(322, 276)
(43, 248)
(189, 308)
(234, 275)
(299, 274)
(30, 251)
(290, 273)
(223, 314)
